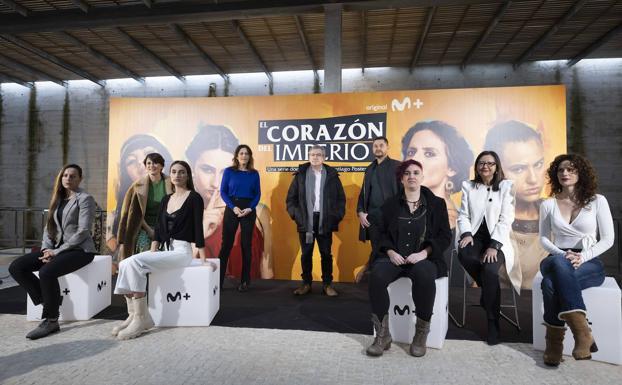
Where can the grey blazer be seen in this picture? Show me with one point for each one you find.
(78, 216)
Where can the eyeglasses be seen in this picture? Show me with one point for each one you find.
(489, 164)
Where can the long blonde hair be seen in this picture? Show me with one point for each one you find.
(59, 193)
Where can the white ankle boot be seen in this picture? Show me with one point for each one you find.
(124, 324)
(141, 322)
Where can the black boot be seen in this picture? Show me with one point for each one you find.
(493, 332)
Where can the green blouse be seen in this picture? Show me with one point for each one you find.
(157, 191)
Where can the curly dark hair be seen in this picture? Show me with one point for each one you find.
(587, 183)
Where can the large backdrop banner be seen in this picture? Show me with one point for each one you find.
(443, 129)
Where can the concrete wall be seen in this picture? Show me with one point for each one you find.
(36, 123)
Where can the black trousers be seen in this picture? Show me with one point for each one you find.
(46, 289)
(324, 242)
(375, 237)
(422, 274)
(485, 274)
(229, 228)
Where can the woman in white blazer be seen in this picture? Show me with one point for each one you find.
(67, 246)
(484, 223)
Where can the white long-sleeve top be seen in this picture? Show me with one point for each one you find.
(593, 219)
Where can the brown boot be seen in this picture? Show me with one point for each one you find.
(383, 338)
(417, 347)
(584, 344)
(554, 344)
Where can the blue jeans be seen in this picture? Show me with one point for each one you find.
(562, 285)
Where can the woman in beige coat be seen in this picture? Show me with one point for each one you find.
(140, 208)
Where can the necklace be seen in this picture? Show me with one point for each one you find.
(414, 202)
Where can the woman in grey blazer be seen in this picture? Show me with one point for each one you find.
(67, 246)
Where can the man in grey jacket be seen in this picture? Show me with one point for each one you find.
(317, 203)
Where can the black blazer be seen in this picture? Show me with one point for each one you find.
(333, 200)
(389, 182)
(437, 235)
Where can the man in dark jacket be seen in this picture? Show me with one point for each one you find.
(317, 203)
(379, 184)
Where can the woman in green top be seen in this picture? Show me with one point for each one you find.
(140, 208)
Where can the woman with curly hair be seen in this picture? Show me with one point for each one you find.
(569, 223)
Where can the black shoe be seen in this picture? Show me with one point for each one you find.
(243, 287)
(44, 329)
(493, 332)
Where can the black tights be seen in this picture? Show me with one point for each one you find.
(485, 274)
(423, 276)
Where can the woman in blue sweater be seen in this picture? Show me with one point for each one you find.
(240, 191)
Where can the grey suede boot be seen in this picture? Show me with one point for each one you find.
(383, 338)
(417, 347)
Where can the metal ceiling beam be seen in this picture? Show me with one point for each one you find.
(16, 7)
(102, 57)
(190, 12)
(305, 44)
(139, 46)
(12, 63)
(423, 36)
(550, 32)
(595, 45)
(54, 59)
(453, 34)
(238, 28)
(83, 5)
(195, 47)
(6, 78)
(491, 26)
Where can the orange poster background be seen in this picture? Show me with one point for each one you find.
(174, 121)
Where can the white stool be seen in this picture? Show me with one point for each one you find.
(85, 292)
(188, 296)
(402, 310)
(604, 315)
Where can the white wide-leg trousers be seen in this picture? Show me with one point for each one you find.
(133, 271)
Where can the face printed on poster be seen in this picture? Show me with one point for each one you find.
(442, 129)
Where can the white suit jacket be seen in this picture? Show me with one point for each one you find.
(480, 201)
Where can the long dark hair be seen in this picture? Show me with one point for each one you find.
(58, 194)
(211, 137)
(497, 177)
(585, 189)
(458, 150)
(236, 163)
(189, 182)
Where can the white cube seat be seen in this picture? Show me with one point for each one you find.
(604, 315)
(188, 296)
(85, 292)
(402, 317)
